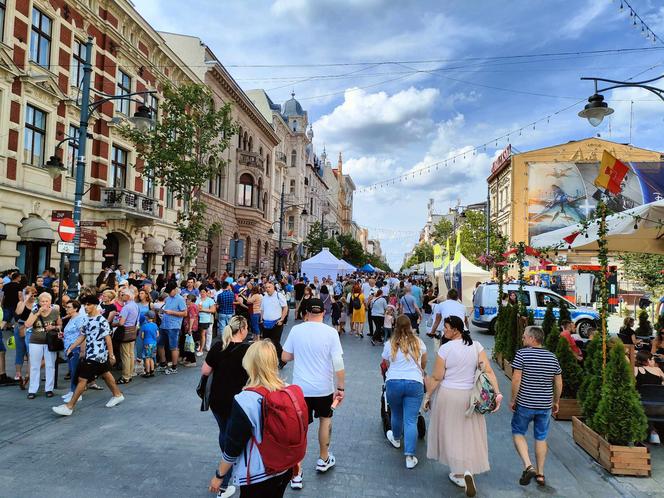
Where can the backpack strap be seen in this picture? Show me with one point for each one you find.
(298, 409)
(262, 392)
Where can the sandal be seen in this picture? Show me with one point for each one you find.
(49, 394)
(23, 383)
(31, 396)
(95, 387)
(527, 475)
(540, 480)
(122, 380)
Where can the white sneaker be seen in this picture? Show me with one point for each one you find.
(390, 437)
(199, 353)
(654, 438)
(457, 480)
(115, 400)
(411, 461)
(67, 397)
(229, 491)
(63, 410)
(471, 490)
(296, 481)
(324, 466)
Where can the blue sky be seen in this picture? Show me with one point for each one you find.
(350, 65)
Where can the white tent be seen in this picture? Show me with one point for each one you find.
(622, 234)
(324, 264)
(470, 275)
(349, 268)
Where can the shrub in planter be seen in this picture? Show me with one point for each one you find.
(620, 418)
(551, 341)
(564, 312)
(571, 370)
(512, 342)
(499, 345)
(549, 320)
(590, 389)
(645, 327)
(531, 317)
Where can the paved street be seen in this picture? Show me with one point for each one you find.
(158, 443)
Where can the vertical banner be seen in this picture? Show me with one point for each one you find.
(456, 266)
(446, 266)
(437, 256)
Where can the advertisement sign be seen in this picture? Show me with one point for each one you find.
(437, 256)
(88, 238)
(456, 267)
(563, 193)
(446, 265)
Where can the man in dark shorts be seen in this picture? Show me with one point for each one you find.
(99, 358)
(318, 362)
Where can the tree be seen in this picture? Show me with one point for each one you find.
(620, 418)
(442, 231)
(549, 319)
(513, 338)
(645, 268)
(645, 327)
(531, 317)
(473, 236)
(590, 389)
(351, 250)
(500, 329)
(183, 151)
(315, 240)
(422, 253)
(571, 371)
(551, 341)
(564, 312)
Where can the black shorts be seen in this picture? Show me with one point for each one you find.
(89, 369)
(319, 406)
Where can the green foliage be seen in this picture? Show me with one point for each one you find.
(531, 317)
(501, 330)
(351, 250)
(442, 231)
(645, 268)
(512, 337)
(473, 236)
(183, 151)
(549, 319)
(571, 370)
(551, 341)
(645, 327)
(317, 239)
(422, 253)
(620, 418)
(590, 389)
(564, 312)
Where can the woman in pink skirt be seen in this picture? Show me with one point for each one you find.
(454, 439)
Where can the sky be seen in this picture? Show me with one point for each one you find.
(395, 85)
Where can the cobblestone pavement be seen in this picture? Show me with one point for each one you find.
(157, 443)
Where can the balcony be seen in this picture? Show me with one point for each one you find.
(251, 159)
(280, 157)
(132, 204)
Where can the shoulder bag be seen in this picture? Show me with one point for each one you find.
(53, 342)
(203, 390)
(482, 396)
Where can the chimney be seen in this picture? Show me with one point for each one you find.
(340, 165)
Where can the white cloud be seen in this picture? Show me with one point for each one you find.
(367, 170)
(584, 17)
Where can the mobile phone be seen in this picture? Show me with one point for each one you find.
(335, 403)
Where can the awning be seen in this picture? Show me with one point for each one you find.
(172, 248)
(35, 228)
(152, 246)
(3, 231)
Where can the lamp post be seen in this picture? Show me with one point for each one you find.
(282, 210)
(596, 109)
(142, 119)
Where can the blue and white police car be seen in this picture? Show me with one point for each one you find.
(485, 306)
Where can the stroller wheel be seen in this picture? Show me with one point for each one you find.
(385, 414)
(421, 427)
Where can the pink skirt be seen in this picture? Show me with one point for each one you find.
(453, 439)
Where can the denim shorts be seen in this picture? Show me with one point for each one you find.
(149, 351)
(523, 416)
(173, 336)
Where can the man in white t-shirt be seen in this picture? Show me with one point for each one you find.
(274, 310)
(450, 307)
(318, 360)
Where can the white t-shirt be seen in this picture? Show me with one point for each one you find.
(271, 306)
(313, 345)
(460, 363)
(378, 306)
(403, 367)
(449, 308)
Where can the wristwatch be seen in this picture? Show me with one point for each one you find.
(217, 474)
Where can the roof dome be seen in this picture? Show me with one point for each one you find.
(292, 107)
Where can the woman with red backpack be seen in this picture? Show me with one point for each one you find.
(266, 435)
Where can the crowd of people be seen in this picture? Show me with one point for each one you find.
(138, 324)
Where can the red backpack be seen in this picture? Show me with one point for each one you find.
(285, 420)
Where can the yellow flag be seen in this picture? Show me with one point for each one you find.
(447, 253)
(457, 249)
(437, 256)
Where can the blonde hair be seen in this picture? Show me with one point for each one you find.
(404, 339)
(261, 364)
(235, 324)
(110, 293)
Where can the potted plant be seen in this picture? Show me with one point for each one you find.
(549, 320)
(572, 374)
(551, 341)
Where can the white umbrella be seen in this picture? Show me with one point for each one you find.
(634, 230)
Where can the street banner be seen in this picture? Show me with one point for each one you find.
(446, 266)
(456, 266)
(611, 174)
(437, 256)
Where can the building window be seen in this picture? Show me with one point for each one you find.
(170, 202)
(35, 136)
(292, 186)
(265, 204)
(149, 185)
(77, 63)
(219, 181)
(267, 166)
(293, 158)
(245, 190)
(3, 8)
(40, 38)
(291, 225)
(258, 193)
(124, 88)
(239, 139)
(119, 168)
(154, 106)
(72, 150)
(247, 251)
(251, 144)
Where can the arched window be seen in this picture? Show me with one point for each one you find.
(292, 186)
(239, 139)
(258, 255)
(265, 204)
(267, 165)
(251, 144)
(260, 151)
(306, 181)
(258, 193)
(244, 141)
(247, 251)
(245, 190)
(293, 158)
(266, 248)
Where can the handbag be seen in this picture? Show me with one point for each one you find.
(203, 390)
(125, 333)
(53, 342)
(482, 396)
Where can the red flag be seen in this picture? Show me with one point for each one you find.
(611, 174)
(571, 237)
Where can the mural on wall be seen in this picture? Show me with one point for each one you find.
(562, 193)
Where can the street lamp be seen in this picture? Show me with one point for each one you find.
(282, 210)
(596, 109)
(142, 119)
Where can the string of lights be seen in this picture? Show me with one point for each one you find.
(639, 23)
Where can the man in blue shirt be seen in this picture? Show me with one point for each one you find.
(225, 305)
(172, 314)
(190, 289)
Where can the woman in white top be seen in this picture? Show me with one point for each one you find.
(454, 439)
(407, 355)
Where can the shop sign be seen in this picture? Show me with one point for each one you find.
(88, 238)
(502, 158)
(59, 214)
(93, 224)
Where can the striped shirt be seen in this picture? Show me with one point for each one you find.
(538, 368)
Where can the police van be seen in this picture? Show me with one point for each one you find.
(485, 306)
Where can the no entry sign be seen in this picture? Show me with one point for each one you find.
(67, 229)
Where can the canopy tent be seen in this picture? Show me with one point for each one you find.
(349, 267)
(470, 275)
(368, 268)
(324, 264)
(638, 229)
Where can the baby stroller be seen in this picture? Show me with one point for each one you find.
(385, 414)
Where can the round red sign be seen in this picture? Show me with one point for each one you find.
(67, 229)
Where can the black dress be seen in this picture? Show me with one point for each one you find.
(647, 378)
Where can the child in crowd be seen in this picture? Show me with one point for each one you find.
(393, 301)
(337, 307)
(343, 315)
(149, 334)
(388, 323)
(190, 325)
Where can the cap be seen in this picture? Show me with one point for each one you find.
(315, 306)
(150, 314)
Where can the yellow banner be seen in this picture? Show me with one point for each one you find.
(457, 248)
(447, 253)
(437, 256)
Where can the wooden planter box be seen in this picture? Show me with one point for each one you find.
(568, 408)
(618, 460)
(507, 368)
(499, 359)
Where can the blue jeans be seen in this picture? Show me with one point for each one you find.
(387, 332)
(523, 416)
(223, 321)
(73, 368)
(405, 398)
(223, 423)
(138, 346)
(21, 348)
(255, 323)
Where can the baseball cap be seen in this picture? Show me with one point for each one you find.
(150, 314)
(315, 306)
